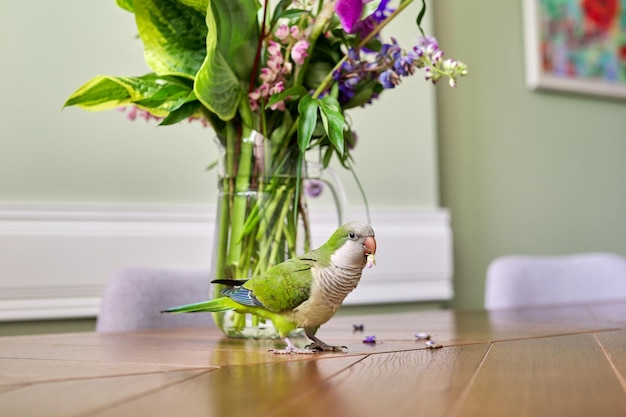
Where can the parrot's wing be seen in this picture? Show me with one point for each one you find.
(282, 287)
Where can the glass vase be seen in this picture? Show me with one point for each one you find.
(262, 219)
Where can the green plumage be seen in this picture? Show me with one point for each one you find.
(285, 286)
(290, 294)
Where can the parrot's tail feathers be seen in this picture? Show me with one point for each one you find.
(230, 282)
(219, 304)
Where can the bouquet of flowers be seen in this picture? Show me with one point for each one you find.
(278, 73)
(289, 72)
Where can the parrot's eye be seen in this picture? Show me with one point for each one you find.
(352, 235)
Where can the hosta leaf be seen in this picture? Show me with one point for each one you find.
(217, 85)
(181, 113)
(173, 33)
(100, 93)
(159, 95)
(237, 33)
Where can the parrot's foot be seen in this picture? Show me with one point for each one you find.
(320, 346)
(291, 348)
(296, 351)
(323, 347)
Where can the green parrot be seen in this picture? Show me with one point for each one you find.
(302, 292)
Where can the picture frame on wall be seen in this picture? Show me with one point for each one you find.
(576, 46)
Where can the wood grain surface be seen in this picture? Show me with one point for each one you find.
(557, 361)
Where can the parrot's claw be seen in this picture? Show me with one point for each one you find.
(323, 347)
(294, 350)
(291, 348)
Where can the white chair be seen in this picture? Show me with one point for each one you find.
(134, 297)
(522, 281)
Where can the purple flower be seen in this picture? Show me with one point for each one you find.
(313, 188)
(349, 12)
(388, 79)
(367, 25)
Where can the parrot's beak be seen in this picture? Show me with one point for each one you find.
(369, 245)
(369, 249)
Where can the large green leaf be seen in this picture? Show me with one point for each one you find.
(100, 93)
(237, 32)
(229, 58)
(159, 95)
(173, 33)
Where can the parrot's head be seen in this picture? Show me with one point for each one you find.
(353, 244)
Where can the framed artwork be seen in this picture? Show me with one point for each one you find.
(576, 45)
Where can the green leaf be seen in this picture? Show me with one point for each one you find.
(182, 113)
(292, 93)
(363, 93)
(99, 93)
(170, 96)
(280, 126)
(237, 32)
(173, 33)
(307, 107)
(125, 4)
(334, 121)
(217, 86)
(327, 156)
(159, 95)
(278, 11)
(420, 16)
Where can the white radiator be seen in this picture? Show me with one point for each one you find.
(56, 259)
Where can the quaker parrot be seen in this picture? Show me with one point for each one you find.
(301, 292)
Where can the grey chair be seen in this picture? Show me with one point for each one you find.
(134, 297)
(522, 281)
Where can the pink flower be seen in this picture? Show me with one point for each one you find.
(287, 67)
(296, 33)
(300, 51)
(132, 113)
(282, 33)
(274, 49)
(279, 87)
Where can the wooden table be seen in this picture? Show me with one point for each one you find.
(560, 361)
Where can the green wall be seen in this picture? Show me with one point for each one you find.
(522, 171)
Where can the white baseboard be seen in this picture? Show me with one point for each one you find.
(55, 259)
